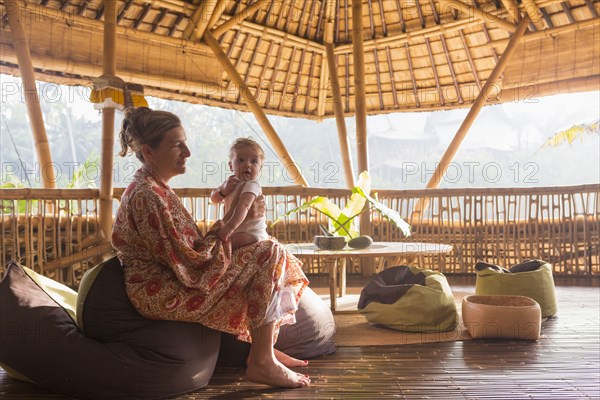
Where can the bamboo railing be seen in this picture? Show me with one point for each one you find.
(55, 231)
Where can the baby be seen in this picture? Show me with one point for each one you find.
(239, 191)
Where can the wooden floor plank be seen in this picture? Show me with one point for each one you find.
(563, 364)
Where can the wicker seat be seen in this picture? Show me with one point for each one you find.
(502, 317)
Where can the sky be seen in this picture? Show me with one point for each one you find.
(516, 130)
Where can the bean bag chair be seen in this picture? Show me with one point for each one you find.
(409, 299)
(311, 336)
(531, 278)
(105, 313)
(128, 358)
(121, 355)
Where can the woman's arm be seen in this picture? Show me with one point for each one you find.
(159, 233)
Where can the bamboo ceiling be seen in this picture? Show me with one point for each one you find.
(419, 54)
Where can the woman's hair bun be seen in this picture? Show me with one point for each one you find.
(143, 125)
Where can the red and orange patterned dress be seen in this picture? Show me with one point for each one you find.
(172, 272)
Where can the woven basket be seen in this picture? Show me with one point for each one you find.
(502, 317)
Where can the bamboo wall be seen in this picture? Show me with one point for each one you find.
(56, 231)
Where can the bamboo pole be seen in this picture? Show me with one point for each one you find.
(109, 68)
(323, 78)
(359, 86)
(97, 250)
(337, 98)
(200, 19)
(32, 101)
(361, 112)
(512, 10)
(340, 122)
(470, 118)
(478, 13)
(238, 18)
(219, 10)
(534, 13)
(288, 162)
(193, 22)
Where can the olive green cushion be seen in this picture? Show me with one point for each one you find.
(409, 299)
(531, 278)
(61, 294)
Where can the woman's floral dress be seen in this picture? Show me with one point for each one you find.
(173, 273)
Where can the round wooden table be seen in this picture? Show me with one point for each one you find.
(404, 250)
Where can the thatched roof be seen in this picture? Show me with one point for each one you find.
(419, 54)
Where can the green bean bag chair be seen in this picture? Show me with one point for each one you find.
(531, 278)
(409, 299)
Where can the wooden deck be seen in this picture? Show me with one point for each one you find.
(563, 364)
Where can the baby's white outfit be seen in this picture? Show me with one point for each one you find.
(256, 227)
(283, 304)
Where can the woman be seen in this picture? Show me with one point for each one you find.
(173, 273)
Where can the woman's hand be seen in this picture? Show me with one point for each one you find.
(258, 208)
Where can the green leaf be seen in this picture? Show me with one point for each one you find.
(357, 202)
(386, 212)
(319, 203)
(327, 207)
(77, 178)
(341, 220)
(353, 207)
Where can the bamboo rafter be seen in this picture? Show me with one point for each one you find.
(451, 65)
(512, 9)
(482, 15)
(534, 14)
(262, 119)
(298, 79)
(464, 50)
(469, 119)
(435, 72)
(200, 20)
(313, 62)
(239, 17)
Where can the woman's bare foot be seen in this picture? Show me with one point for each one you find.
(283, 358)
(276, 374)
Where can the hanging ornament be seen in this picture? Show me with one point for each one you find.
(113, 92)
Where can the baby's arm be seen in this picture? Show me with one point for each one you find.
(239, 215)
(226, 188)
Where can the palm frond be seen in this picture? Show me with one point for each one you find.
(572, 134)
(386, 212)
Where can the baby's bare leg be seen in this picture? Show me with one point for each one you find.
(241, 239)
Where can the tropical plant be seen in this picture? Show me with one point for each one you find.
(79, 179)
(341, 220)
(7, 206)
(572, 133)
